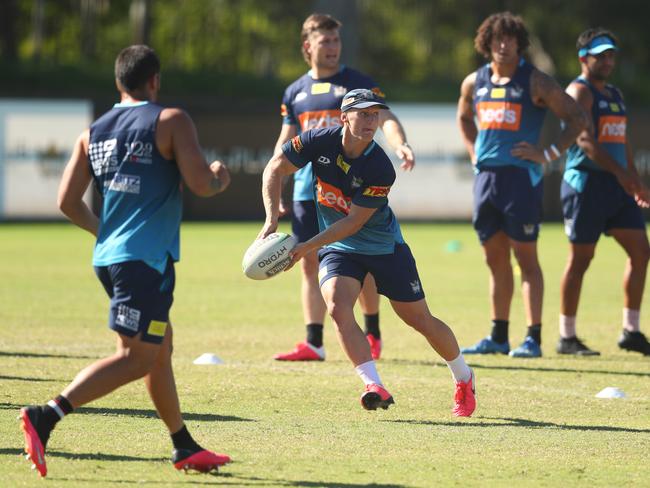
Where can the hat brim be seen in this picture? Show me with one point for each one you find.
(602, 48)
(364, 105)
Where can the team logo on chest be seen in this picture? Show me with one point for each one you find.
(356, 182)
(339, 91)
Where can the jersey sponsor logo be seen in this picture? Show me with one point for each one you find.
(103, 157)
(332, 197)
(124, 184)
(284, 111)
(139, 152)
(376, 191)
(377, 91)
(128, 317)
(319, 119)
(324, 160)
(611, 128)
(157, 328)
(320, 88)
(342, 164)
(296, 143)
(498, 115)
(498, 93)
(614, 107)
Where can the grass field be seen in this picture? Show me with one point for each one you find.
(538, 422)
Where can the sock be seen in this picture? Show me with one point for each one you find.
(368, 373)
(459, 369)
(315, 334)
(372, 324)
(183, 440)
(567, 326)
(631, 320)
(55, 410)
(499, 331)
(535, 331)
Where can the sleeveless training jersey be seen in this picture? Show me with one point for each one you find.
(141, 211)
(315, 104)
(610, 123)
(506, 115)
(340, 182)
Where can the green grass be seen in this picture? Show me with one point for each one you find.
(300, 425)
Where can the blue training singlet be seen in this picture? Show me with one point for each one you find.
(142, 206)
(506, 115)
(315, 104)
(341, 182)
(610, 123)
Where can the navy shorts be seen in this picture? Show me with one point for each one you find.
(396, 274)
(601, 206)
(140, 298)
(304, 222)
(505, 200)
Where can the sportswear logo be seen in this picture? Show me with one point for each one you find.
(296, 143)
(376, 191)
(320, 88)
(611, 128)
(323, 160)
(602, 104)
(300, 97)
(332, 197)
(342, 164)
(415, 286)
(481, 91)
(498, 115)
(319, 119)
(529, 229)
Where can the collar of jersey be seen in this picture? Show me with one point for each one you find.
(311, 74)
(130, 104)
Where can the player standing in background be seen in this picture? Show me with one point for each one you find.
(602, 193)
(500, 113)
(313, 101)
(359, 234)
(136, 154)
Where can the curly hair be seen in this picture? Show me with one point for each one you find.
(314, 23)
(590, 34)
(499, 25)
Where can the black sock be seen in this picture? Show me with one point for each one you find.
(535, 331)
(183, 440)
(315, 334)
(499, 332)
(50, 414)
(372, 324)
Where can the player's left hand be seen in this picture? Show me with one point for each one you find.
(525, 150)
(405, 153)
(642, 196)
(297, 253)
(268, 228)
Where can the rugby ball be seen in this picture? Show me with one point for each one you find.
(269, 256)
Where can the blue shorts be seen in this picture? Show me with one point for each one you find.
(601, 206)
(505, 200)
(140, 298)
(304, 222)
(396, 274)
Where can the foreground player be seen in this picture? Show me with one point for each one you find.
(313, 101)
(136, 154)
(509, 97)
(602, 193)
(360, 235)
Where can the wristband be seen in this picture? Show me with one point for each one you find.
(556, 151)
(546, 156)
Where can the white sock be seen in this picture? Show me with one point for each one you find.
(631, 320)
(567, 326)
(368, 373)
(459, 369)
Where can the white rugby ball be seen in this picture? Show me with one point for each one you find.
(269, 256)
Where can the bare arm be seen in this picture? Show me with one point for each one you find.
(396, 137)
(74, 183)
(546, 92)
(287, 132)
(347, 226)
(276, 169)
(465, 115)
(176, 138)
(640, 191)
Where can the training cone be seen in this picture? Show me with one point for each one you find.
(208, 358)
(610, 392)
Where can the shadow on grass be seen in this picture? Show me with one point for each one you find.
(142, 413)
(87, 456)
(529, 424)
(540, 369)
(25, 378)
(45, 355)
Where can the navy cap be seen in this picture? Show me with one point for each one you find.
(361, 98)
(598, 45)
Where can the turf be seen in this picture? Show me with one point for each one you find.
(538, 422)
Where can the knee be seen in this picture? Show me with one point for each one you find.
(579, 264)
(641, 257)
(497, 260)
(419, 321)
(137, 364)
(339, 313)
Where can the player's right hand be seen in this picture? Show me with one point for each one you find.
(220, 172)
